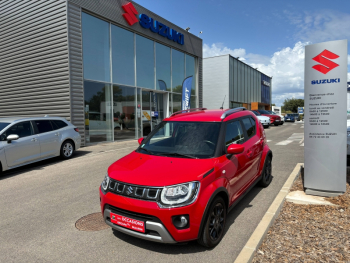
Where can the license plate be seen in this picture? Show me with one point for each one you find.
(288, 119)
(277, 120)
(127, 222)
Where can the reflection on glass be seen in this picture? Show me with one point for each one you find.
(146, 113)
(190, 71)
(193, 102)
(170, 104)
(123, 56)
(144, 62)
(139, 125)
(178, 70)
(163, 67)
(177, 102)
(95, 48)
(157, 112)
(98, 115)
(123, 112)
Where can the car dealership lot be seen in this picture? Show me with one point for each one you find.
(41, 203)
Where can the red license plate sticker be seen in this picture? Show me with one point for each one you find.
(127, 222)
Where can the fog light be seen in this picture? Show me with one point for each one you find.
(181, 221)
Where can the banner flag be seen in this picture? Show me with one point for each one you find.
(162, 84)
(186, 93)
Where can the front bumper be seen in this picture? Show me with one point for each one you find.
(163, 225)
(164, 236)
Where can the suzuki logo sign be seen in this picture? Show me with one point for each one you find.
(324, 58)
(149, 23)
(130, 13)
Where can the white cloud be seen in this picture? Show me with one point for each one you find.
(323, 25)
(217, 49)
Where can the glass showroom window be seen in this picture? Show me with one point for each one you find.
(163, 67)
(98, 113)
(124, 105)
(95, 48)
(177, 102)
(178, 70)
(144, 62)
(123, 67)
(191, 71)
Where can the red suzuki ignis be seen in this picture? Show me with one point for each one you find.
(184, 178)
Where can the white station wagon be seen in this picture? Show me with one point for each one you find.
(28, 140)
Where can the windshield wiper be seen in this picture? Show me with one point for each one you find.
(148, 151)
(180, 154)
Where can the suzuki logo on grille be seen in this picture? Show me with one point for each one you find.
(129, 190)
(130, 13)
(324, 58)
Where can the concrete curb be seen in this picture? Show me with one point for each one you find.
(254, 242)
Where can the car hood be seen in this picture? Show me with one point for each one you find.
(263, 118)
(151, 170)
(271, 116)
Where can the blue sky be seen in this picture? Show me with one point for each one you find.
(269, 35)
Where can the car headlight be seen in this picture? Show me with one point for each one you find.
(179, 195)
(105, 183)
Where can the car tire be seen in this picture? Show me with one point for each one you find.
(281, 123)
(215, 221)
(67, 149)
(276, 124)
(266, 175)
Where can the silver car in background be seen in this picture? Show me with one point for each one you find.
(28, 140)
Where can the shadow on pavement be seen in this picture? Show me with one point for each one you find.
(39, 165)
(192, 246)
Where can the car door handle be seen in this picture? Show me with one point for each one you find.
(57, 134)
(34, 139)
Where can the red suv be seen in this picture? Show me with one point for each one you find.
(184, 178)
(275, 119)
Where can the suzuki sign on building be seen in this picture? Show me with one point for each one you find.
(325, 118)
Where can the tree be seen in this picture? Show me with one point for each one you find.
(292, 104)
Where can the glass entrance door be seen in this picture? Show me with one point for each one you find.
(152, 110)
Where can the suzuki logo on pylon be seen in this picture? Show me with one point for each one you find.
(130, 14)
(324, 58)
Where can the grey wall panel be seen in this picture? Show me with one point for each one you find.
(76, 68)
(34, 69)
(200, 82)
(231, 91)
(216, 82)
(112, 10)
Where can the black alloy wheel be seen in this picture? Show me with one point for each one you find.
(266, 176)
(213, 230)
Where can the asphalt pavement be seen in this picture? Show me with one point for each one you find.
(40, 204)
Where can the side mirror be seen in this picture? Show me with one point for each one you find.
(140, 140)
(12, 137)
(235, 149)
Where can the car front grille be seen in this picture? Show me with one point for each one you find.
(134, 191)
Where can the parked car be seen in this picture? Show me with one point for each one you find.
(184, 178)
(274, 119)
(289, 117)
(29, 140)
(98, 124)
(265, 121)
(296, 116)
(281, 116)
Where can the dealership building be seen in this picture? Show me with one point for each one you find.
(112, 68)
(232, 83)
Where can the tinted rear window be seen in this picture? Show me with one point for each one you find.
(44, 126)
(57, 124)
(249, 125)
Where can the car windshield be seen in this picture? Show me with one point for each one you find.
(264, 112)
(256, 113)
(3, 125)
(183, 139)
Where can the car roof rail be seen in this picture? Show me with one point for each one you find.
(231, 111)
(188, 110)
